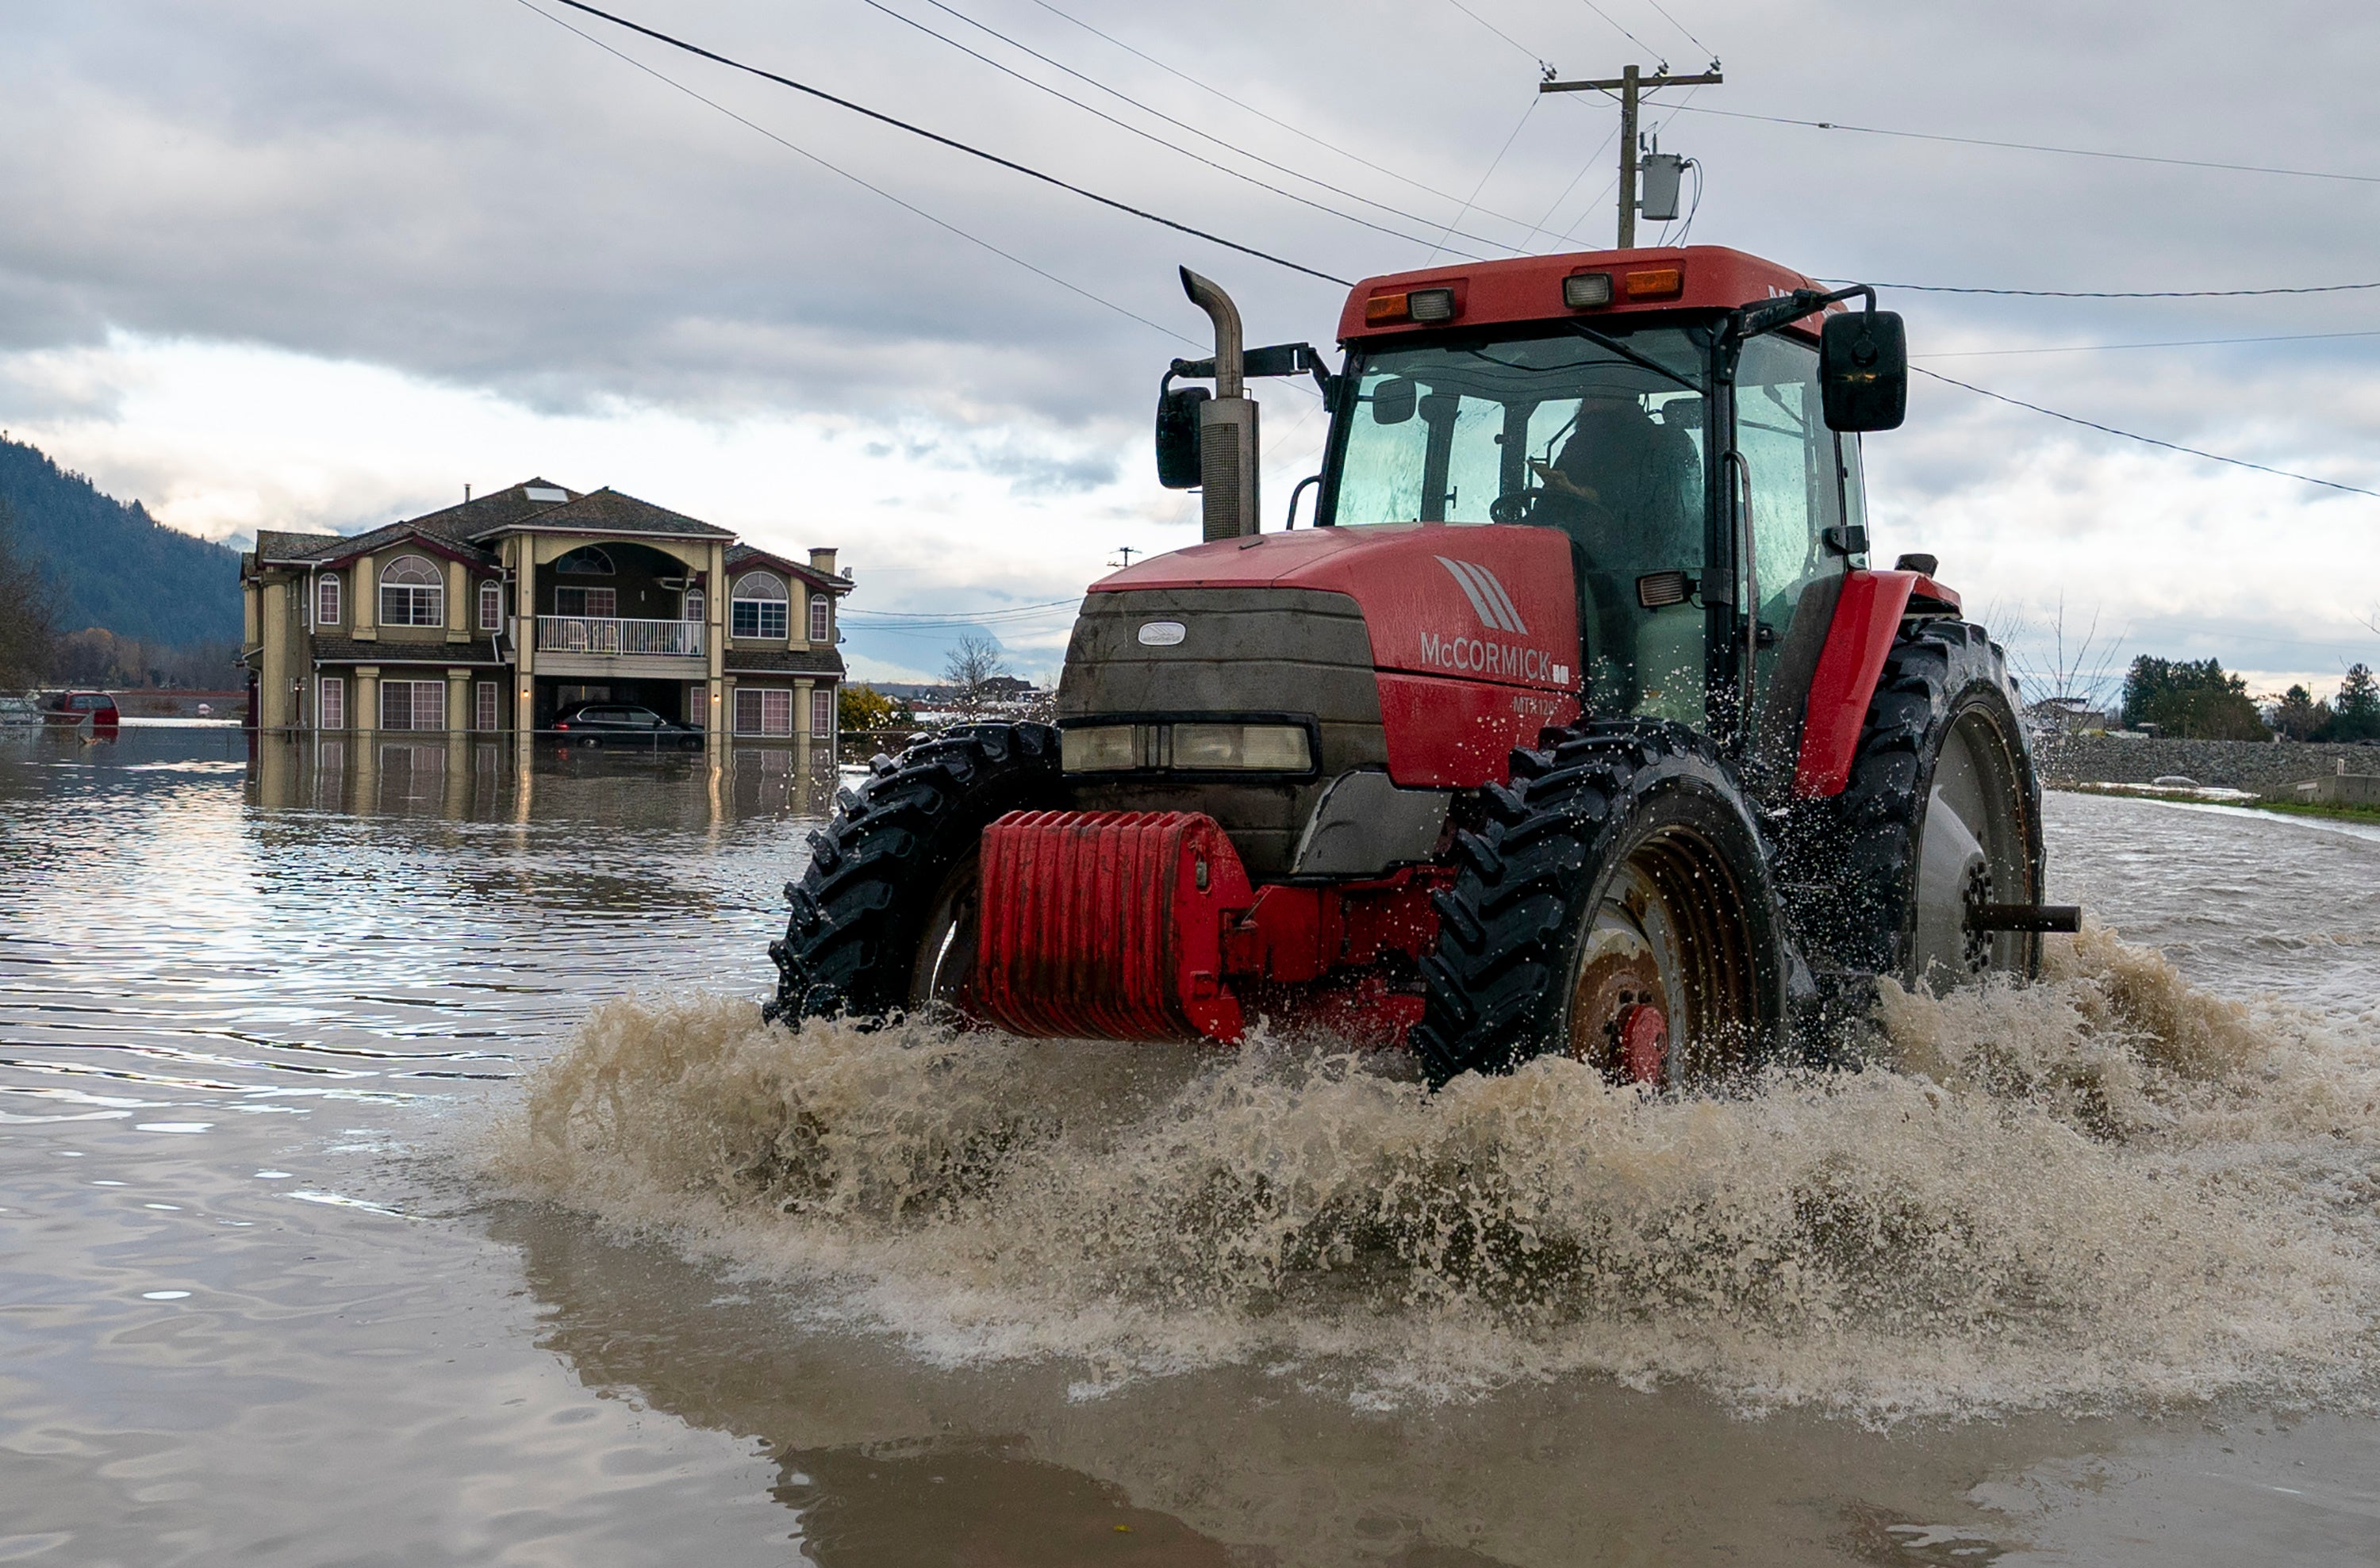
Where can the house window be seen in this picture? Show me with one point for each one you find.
(412, 593)
(484, 706)
(331, 710)
(326, 601)
(822, 711)
(602, 604)
(819, 603)
(759, 605)
(587, 562)
(691, 607)
(698, 706)
(413, 704)
(763, 711)
(492, 607)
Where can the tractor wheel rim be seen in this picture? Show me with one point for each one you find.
(1968, 854)
(943, 975)
(1661, 991)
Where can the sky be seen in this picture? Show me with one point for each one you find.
(320, 266)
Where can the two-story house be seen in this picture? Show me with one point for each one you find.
(498, 614)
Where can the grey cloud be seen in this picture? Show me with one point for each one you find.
(461, 189)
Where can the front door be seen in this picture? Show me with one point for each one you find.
(1795, 477)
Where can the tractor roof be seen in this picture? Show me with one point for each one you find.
(1529, 288)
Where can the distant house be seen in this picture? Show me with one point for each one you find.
(498, 614)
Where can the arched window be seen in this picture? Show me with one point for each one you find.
(691, 607)
(758, 604)
(412, 593)
(326, 602)
(492, 606)
(819, 627)
(585, 561)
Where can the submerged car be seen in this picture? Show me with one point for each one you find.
(73, 708)
(597, 724)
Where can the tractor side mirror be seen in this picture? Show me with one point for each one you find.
(1177, 436)
(1863, 370)
(1394, 401)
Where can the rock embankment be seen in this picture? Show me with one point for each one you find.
(2263, 766)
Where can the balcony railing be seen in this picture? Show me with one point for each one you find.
(594, 634)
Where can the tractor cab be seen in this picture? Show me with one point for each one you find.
(1666, 411)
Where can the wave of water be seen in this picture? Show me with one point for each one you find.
(2106, 1189)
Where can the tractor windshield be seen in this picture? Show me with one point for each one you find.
(1604, 440)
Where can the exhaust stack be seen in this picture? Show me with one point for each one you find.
(1227, 422)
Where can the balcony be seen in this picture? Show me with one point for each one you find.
(594, 634)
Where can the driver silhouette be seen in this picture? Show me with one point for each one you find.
(1623, 485)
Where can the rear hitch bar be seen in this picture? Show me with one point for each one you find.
(2067, 918)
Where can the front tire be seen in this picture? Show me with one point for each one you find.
(1616, 908)
(884, 921)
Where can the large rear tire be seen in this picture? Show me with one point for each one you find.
(1942, 814)
(884, 921)
(1615, 907)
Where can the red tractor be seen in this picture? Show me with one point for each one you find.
(1577, 721)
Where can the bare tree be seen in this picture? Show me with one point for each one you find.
(2063, 671)
(973, 665)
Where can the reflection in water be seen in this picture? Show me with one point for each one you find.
(894, 1465)
(472, 777)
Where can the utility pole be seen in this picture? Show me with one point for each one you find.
(1127, 552)
(1631, 85)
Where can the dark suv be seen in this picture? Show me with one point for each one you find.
(599, 724)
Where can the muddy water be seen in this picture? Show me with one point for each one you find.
(389, 1172)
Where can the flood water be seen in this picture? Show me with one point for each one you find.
(392, 1170)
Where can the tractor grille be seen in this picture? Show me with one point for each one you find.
(1242, 652)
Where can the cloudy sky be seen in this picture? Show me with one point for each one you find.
(322, 264)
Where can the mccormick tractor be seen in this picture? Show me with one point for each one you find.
(1575, 721)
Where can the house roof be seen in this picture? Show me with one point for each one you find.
(272, 546)
(742, 556)
(346, 650)
(784, 662)
(603, 512)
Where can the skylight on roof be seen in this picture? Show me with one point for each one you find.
(544, 492)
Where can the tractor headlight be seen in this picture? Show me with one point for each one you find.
(1107, 749)
(1194, 747)
(1256, 748)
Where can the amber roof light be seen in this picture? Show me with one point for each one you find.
(1657, 283)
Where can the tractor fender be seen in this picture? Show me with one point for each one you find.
(1867, 619)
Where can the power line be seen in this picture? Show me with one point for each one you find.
(1158, 140)
(2170, 342)
(1497, 164)
(1687, 31)
(2136, 294)
(2039, 146)
(952, 142)
(997, 612)
(1247, 107)
(1630, 37)
(1542, 63)
(877, 189)
(2148, 440)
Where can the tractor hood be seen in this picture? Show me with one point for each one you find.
(1493, 604)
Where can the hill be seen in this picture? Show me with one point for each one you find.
(115, 566)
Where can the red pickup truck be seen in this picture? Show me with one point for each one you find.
(73, 708)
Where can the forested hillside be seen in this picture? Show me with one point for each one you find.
(115, 567)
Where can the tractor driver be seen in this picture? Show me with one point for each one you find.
(1629, 490)
(1624, 486)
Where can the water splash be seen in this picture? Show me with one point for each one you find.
(2107, 1188)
